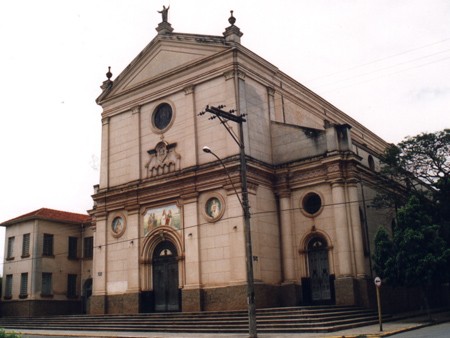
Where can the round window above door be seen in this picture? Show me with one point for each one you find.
(162, 117)
(311, 204)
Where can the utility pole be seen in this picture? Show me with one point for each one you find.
(224, 117)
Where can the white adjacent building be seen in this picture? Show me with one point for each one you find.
(48, 263)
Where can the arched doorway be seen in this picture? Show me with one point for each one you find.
(319, 271)
(165, 277)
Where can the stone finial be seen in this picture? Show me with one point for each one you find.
(109, 74)
(231, 19)
(107, 83)
(232, 33)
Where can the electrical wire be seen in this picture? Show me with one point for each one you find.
(117, 242)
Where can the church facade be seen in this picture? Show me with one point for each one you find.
(168, 216)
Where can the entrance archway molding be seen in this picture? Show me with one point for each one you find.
(303, 251)
(151, 240)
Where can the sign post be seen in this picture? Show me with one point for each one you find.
(377, 282)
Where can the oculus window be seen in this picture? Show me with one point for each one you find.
(162, 116)
(311, 204)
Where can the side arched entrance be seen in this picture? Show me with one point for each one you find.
(320, 281)
(165, 277)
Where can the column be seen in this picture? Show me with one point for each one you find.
(104, 156)
(343, 248)
(271, 101)
(191, 294)
(132, 233)
(98, 302)
(135, 144)
(190, 128)
(356, 230)
(287, 249)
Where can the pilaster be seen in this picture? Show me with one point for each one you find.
(135, 144)
(190, 155)
(104, 165)
(287, 249)
(358, 249)
(99, 266)
(343, 248)
(132, 243)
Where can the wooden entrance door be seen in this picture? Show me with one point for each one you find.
(165, 277)
(319, 271)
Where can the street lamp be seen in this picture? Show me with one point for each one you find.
(248, 240)
(208, 150)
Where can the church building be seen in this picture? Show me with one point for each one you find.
(169, 216)
(211, 155)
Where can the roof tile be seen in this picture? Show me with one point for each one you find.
(50, 214)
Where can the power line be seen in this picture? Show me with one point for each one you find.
(390, 67)
(386, 75)
(380, 59)
(122, 241)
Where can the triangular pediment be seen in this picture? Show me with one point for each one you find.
(163, 56)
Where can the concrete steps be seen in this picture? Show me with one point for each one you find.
(286, 320)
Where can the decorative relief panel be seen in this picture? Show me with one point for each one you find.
(163, 159)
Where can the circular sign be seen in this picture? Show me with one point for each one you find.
(377, 281)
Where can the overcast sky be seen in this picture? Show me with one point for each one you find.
(385, 63)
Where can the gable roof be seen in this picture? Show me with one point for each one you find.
(165, 54)
(50, 215)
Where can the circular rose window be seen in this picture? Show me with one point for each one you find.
(162, 116)
(311, 203)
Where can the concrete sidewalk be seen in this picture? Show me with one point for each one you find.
(401, 324)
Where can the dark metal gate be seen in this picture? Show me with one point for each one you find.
(165, 277)
(318, 270)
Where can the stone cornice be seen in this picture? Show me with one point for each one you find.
(185, 185)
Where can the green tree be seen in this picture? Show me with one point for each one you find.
(417, 174)
(383, 256)
(417, 255)
(419, 166)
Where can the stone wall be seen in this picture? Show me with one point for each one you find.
(33, 308)
(123, 303)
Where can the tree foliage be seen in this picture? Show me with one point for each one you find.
(424, 158)
(419, 165)
(418, 254)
